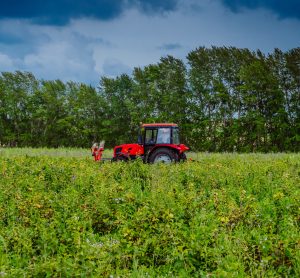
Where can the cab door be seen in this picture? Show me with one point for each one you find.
(150, 139)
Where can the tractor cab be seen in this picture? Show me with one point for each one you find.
(160, 135)
(157, 142)
(152, 134)
(161, 142)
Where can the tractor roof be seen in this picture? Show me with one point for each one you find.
(159, 125)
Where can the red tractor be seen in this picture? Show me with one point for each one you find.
(156, 143)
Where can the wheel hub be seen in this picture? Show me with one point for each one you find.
(163, 158)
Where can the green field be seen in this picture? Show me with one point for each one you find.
(225, 215)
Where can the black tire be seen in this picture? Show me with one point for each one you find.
(183, 157)
(120, 158)
(163, 155)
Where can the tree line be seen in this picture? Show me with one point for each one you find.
(223, 98)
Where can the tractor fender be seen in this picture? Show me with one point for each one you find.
(174, 148)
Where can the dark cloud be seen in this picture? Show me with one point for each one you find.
(19, 42)
(6, 38)
(59, 12)
(154, 6)
(115, 67)
(170, 46)
(283, 8)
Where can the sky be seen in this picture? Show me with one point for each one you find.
(82, 40)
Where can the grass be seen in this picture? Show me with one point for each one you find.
(226, 215)
(50, 152)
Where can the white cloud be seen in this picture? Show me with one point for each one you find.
(60, 59)
(6, 62)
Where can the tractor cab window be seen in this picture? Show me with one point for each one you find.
(164, 136)
(176, 140)
(140, 136)
(150, 136)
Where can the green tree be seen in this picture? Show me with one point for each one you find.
(293, 67)
(86, 110)
(15, 113)
(161, 93)
(116, 121)
(263, 106)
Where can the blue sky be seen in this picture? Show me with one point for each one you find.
(83, 40)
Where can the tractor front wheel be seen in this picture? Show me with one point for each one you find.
(183, 157)
(163, 155)
(120, 158)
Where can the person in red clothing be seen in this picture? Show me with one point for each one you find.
(97, 150)
(94, 150)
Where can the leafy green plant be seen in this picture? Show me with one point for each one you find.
(223, 215)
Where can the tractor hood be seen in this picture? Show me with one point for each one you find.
(128, 150)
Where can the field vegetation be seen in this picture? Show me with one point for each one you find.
(224, 215)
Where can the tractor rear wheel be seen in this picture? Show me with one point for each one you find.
(163, 155)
